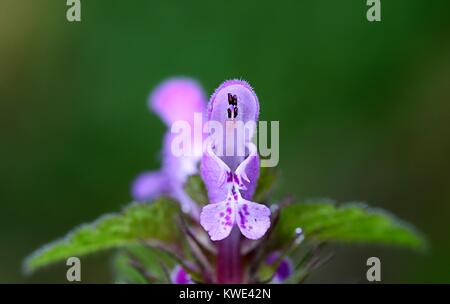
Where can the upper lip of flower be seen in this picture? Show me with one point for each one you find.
(229, 83)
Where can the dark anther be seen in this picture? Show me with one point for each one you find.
(232, 102)
(232, 99)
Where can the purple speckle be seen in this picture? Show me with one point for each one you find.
(243, 219)
(229, 177)
(245, 208)
(221, 214)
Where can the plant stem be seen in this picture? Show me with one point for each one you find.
(229, 270)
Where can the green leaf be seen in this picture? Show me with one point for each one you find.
(150, 222)
(196, 189)
(125, 272)
(139, 264)
(353, 223)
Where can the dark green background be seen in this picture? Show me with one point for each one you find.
(364, 111)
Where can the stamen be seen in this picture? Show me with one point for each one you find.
(232, 110)
(232, 99)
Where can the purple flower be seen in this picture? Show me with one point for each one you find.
(231, 178)
(284, 270)
(176, 99)
(180, 276)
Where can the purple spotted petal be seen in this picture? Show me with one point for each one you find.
(180, 276)
(177, 99)
(218, 219)
(148, 186)
(253, 219)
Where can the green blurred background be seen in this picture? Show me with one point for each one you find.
(364, 111)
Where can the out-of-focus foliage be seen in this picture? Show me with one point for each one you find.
(138, 223)
(195, 188)
(139, 264)
(266, 184)
(349, 223)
